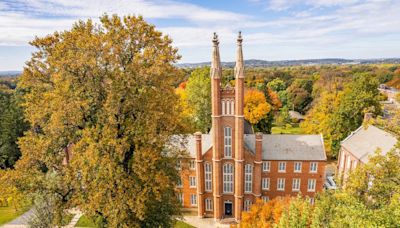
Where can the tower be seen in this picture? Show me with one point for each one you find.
(216, 72)
(239, 129)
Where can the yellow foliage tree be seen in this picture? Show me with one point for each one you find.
(256, 106)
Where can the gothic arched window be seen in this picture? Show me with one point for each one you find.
(227, 142)
(228, 177)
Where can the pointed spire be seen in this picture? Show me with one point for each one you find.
(239, 68)
(216, 70)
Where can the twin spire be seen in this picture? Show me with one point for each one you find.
(216, 69)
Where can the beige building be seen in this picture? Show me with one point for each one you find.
(360, 145)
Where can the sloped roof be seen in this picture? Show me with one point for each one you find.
(296, 115)
(366, 140)
(275, 147)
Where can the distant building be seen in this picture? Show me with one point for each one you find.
(296, 116)
(361, 144)
(229, 168)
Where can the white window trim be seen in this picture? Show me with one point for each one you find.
(228, 185)
(267, 182)
(265, 198)
(178, 164)
(266, 166)
(180, 183)
(294, 168)
(313, 185)
(209, 204)
(193, 199)
(192, 180)
(180, 197)
(279, 167)
(223, 107)
(293, 185)
(207, 177)
(316, 167)
(277, 184)
(248, 178)
(190, 164)
(227, 142)
(247, 205)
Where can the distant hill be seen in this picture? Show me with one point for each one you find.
(304, 62)
(10, 73)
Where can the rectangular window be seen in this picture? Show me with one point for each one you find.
(266, 166)
(228, 178)
(193, 199)
(297, 167)
(265, 183)
(247, 205)
(313, 167)
(228, 142)
(192, 164)
(248, 176)
(296, 185)
(192, 182)
(311, 200)
(281, 184)
(265, 198)
(180, 197)
(282, 167)
(178, 164)
(311, 185)
(209, 204)
(208, 176)
(179, 184)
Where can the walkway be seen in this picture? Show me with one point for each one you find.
(203, 222)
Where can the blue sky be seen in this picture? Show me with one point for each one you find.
(272, 30)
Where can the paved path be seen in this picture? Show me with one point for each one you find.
(20, 222)
(203, 222)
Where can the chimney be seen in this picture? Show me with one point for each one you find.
(259, 139)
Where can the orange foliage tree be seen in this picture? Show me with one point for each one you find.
(256, 106)
(265, 214)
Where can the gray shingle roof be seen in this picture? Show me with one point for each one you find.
(275, 147)
(365, 141)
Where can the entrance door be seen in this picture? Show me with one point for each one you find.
(228, 208)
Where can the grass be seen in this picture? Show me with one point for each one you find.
(8, 214)
(288, 129)
(66, 219)
(85, 221)
(181, 224)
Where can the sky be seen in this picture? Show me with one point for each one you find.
(272, 30)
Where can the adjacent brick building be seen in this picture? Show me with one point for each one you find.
(230, 167)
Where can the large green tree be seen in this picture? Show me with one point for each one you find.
(104, 92)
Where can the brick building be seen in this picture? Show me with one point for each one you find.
(230, 167)
(361, 144)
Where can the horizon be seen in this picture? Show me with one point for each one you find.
(275, 30)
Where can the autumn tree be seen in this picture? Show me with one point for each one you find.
(299, 94)
(105, 92)
(256, 106)
(264, 214)
(198, 95)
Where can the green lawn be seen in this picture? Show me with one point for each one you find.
(7, 214)
(181, 224)
(84, 221)
(289, 129)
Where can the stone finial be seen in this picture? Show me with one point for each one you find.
(239, 67)
(259, 135)
(240, 39)
(216, 69)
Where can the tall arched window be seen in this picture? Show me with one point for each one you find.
(228, 177)
(248, 178)
(233, 107)
(208, 176)
(223, 107)
(228, 142)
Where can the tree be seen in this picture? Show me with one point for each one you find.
(12, 126)
(299, 94)
(264, 214)
(277, 85)
(255, 106)
(198, 95)
(105, 92)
